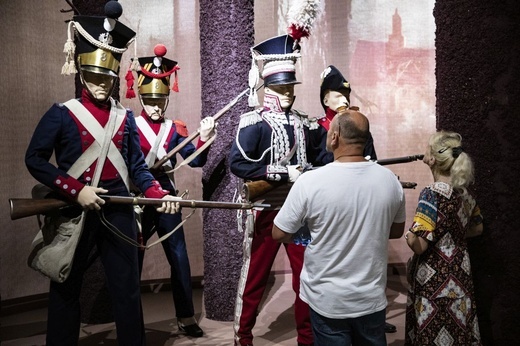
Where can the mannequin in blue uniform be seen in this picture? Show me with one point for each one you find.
(159, 136)
(73, 132)
(271, 144)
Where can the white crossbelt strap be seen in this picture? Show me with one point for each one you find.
(195, 153)
(157, 141)
(93, 152)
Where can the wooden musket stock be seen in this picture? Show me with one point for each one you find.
(24, 207)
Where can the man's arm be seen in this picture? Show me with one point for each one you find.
(281, 236)
(290, 215)
(396, 230)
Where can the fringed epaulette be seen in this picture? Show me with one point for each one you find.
(319, 117)
(313, 123)
(300, 113)
(181, 128)
(250, 118)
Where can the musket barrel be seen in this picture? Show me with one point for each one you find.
(182, 203)
(194, 135)
(403, 159)
(24, 207)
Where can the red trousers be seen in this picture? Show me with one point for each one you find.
(263, 253)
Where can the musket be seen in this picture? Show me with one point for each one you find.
(254, 190)
(403, 159)
(194, 135)
(24, 207)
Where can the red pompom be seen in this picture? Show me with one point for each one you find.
(160, 50)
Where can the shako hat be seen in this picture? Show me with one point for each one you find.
(332, 79)
(278, 55)
(154, 73)
(101, 41)
(279, 60)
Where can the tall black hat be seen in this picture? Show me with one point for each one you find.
(101, 41)
(332, 79)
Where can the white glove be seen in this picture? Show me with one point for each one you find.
(294, 172)
(89, 199)
(169, 205)
(207, 128)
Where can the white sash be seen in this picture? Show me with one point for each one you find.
(157, 142)
(98, 132)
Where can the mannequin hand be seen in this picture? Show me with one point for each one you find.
(169, 205)
(207, 128)
(294, 172)
(88, 198)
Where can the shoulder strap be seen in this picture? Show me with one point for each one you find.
(102, 146)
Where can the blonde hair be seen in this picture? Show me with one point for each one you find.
(450, 158)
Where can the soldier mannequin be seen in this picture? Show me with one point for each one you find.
(271, 145)
(334, 95)
(158, 136)
(73, 132)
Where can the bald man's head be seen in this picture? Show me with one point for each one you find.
(352, 126)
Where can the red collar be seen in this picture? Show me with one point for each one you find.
(326, 120)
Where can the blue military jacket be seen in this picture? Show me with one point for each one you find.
(267, 141)
(58, 133)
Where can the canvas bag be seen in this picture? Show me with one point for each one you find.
(53, 248)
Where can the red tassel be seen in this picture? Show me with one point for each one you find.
(130, 93)
(175, 83)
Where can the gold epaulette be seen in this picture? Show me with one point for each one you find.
(250, 118)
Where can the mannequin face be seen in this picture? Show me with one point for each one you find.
(284, 93)
(155, 106)
(335, 99)
(99, 85)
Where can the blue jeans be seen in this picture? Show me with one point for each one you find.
(364, 330)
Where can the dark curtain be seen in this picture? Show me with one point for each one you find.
(478, 95)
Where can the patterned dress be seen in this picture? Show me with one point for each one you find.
(441, 307)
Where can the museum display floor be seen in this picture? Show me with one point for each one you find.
(275, 323)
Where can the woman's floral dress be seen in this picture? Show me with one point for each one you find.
(441, 307)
